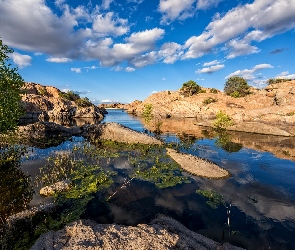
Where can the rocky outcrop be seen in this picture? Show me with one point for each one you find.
(163, 233)
(105, 131)
(45, 102)
(198, 166)
(115, 105)
(271, 106)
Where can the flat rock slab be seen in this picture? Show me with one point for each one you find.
(117, 132)
(162, 234)
(259, 128)
(198, 166)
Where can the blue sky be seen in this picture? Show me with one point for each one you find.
(126, 50)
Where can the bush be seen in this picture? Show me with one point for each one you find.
(83, 102)
(147, 112)
(277, 80)
(42, 91)
(236, 86)
(209, 100)
(71, 96)
(222, 121)
(189, 88)
(213, 91)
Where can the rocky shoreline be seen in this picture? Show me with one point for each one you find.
(264, 111)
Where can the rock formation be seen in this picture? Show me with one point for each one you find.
(163, 233)
(45, 102)
(273, 106)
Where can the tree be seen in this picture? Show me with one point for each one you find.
(190, 87)
(10, 88)
(236, 86)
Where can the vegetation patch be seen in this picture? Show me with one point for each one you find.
(236, 87)
(222, 121)
(209, 100)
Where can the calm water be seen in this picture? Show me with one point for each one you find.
(260, 195)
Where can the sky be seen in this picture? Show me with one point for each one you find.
(126, 50)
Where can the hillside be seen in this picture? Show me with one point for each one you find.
(273, 106)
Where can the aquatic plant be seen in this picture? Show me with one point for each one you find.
(215, 199)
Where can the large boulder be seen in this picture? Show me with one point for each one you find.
(163, 233)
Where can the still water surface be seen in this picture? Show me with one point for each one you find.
(258, 211)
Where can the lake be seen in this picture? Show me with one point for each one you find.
(253, 209)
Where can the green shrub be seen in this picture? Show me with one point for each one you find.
(213, 91)
(42, 91)
(83, 102)
(277, 80)
(236, 86)
(222, 121)
(209, 100)
(147, 112)
(71, 96)
(190, 88)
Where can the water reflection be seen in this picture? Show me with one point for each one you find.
(231, 141)
(16, 191)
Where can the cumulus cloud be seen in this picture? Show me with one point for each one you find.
(210, 69)
(21, 60)
(241, 26)
(248, 74)
(58, 59)
(170, 52)
(206, 64)
(76, 70)
(129, 69)
(285, 75)
(106, 4)
(172, 10)
(206, 4)
(109, 24)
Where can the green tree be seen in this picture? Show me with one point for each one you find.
(236, 86)
(190, 87)
(10, 88)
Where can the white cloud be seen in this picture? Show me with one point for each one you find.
(164, 79)
(242, 25)
(210, 69)
(77, 70)
(58, 60)
(106, 4)
(129, 69)
(211, 63)
(144, 60)
(109, 24)
(286, 75)
(173, 9)
(154, 92)
(21, 60)
(248, 74)
(206, 4)
(170, 52)
(38, 54)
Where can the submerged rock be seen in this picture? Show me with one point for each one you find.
(198, 166)
(57, 187)
(163, 233)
